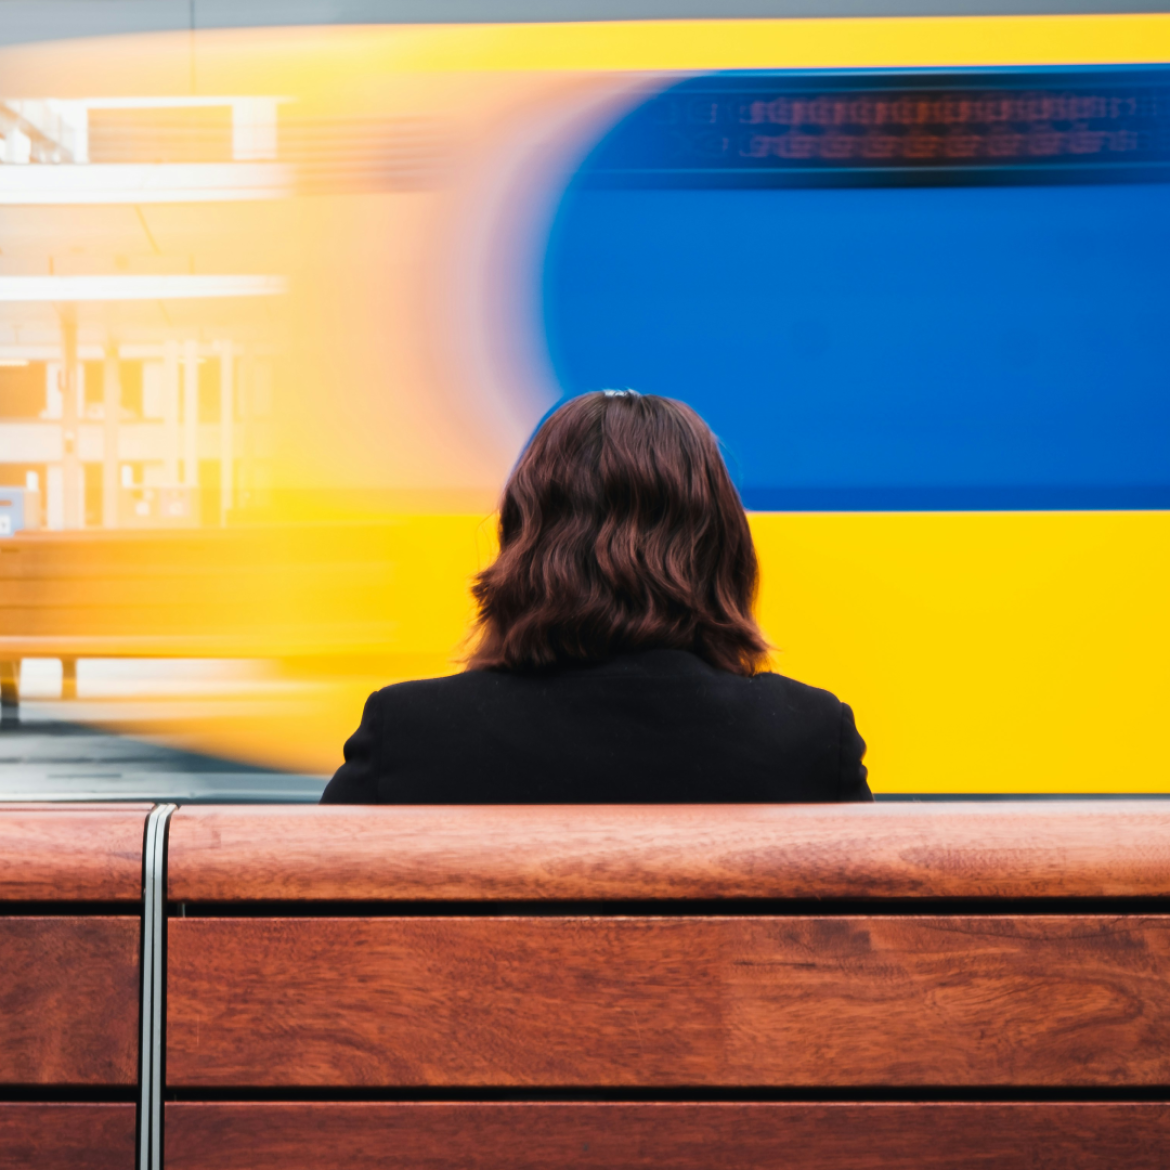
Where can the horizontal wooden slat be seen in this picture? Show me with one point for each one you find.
(960, 850)
(556, 1001)
(69, 1000)
(685, 1136)
(90, 1136)
(90, 853)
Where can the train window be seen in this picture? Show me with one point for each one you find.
(130, 376)
(170, 135)
(93, 385)
(209, 391)
(22, 388)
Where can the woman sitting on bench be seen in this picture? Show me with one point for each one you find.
(616, 658)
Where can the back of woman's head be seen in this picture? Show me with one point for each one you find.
(620, 530)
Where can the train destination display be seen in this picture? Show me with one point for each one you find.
(862, 128)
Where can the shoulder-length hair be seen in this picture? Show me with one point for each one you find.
(620, 530)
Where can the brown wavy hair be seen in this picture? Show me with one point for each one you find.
(620, 530)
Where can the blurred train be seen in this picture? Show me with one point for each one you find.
(278, 301)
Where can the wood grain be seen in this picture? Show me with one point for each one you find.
(960, 850)
(69, 1001)
(847, 1001)
(90, 1136)
(71, 853)
(532, 1136)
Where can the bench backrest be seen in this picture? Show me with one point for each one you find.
(70, 938)
(890, 986)
(878, 986)
(766, 946)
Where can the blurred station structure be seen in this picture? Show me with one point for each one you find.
(135, 378)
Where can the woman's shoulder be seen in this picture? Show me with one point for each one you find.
(483, 690)
(425, 692)
(795, 697)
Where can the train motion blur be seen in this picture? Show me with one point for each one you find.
(278, 300)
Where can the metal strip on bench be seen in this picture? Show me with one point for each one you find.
(153, 918)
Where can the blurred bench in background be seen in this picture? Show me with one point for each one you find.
(320, 597)
(951, 985)
(70, 936)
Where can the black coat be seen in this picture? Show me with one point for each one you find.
(656, 727)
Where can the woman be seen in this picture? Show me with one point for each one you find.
(616, 658)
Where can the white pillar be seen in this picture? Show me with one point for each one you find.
(111, 410)
(191, 414)
(244, 439)
(54, 381)
(227, 445)
(171, 412)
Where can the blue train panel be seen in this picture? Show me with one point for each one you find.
(964, 309)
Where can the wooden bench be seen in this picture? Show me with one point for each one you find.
(951, 985)
(913, 985)
(70, 937)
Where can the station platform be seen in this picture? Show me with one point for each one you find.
(49, 759)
